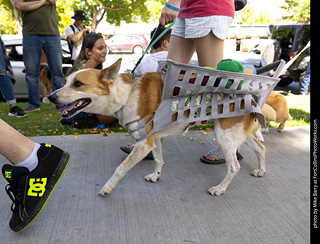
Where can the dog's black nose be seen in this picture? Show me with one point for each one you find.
(52, 97)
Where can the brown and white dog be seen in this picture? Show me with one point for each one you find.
(109, 93)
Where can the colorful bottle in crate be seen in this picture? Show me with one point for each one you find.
(249, 69)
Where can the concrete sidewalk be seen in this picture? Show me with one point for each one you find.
(176, 209)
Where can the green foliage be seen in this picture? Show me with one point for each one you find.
(7, 25)
(113, 12)
(298, 10)
(121, 10)
(155, 8)
(250, 18)
(65, 11)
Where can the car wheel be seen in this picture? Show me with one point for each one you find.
(137, 50)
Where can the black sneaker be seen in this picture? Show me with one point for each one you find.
(30, 191)
(16, 111)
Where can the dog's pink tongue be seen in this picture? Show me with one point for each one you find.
(67, 108)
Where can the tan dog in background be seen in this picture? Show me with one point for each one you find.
(279, 104)
(108, 93)
(45, 83)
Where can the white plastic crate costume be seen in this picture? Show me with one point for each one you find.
(207, 94)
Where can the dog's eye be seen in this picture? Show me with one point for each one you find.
(77, 83)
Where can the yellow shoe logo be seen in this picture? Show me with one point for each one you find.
(8, 174)
(37, 187)
(47, 145)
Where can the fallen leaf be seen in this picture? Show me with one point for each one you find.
(75, 135)
(204, 133)
(195, 139)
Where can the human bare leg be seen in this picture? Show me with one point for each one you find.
(209, 50)
(181, 49)
(14, 146)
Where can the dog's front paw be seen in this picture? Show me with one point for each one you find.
(154, 177)
(258, 172)
(105, 191)
(259, 136)
(217, 191)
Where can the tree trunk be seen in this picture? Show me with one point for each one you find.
(94, 18)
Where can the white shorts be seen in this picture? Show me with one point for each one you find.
(190, 28)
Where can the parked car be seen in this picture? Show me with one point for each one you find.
(15, 53)
(127, 43)
(286, 42)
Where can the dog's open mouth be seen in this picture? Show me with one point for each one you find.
(70, 109)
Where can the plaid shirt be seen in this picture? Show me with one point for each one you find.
(9, 71)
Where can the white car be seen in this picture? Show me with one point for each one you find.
(15, 53)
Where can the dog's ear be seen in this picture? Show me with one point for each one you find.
(108, 74)
(89, 65)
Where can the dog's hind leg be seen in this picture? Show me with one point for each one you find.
(233, 168)
(158, 159)
(259, 150)
(281, 127)
(139, 152)
(228, 141)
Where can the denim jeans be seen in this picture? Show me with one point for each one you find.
(5, 81)
(305, 81)
(32, 48)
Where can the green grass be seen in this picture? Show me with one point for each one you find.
(299, 109)
(47, 121)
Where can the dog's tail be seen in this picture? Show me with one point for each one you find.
(269, 113)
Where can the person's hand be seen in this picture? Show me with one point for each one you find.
(169, 15)
(85, 31)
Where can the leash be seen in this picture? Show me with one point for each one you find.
(152, 42)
